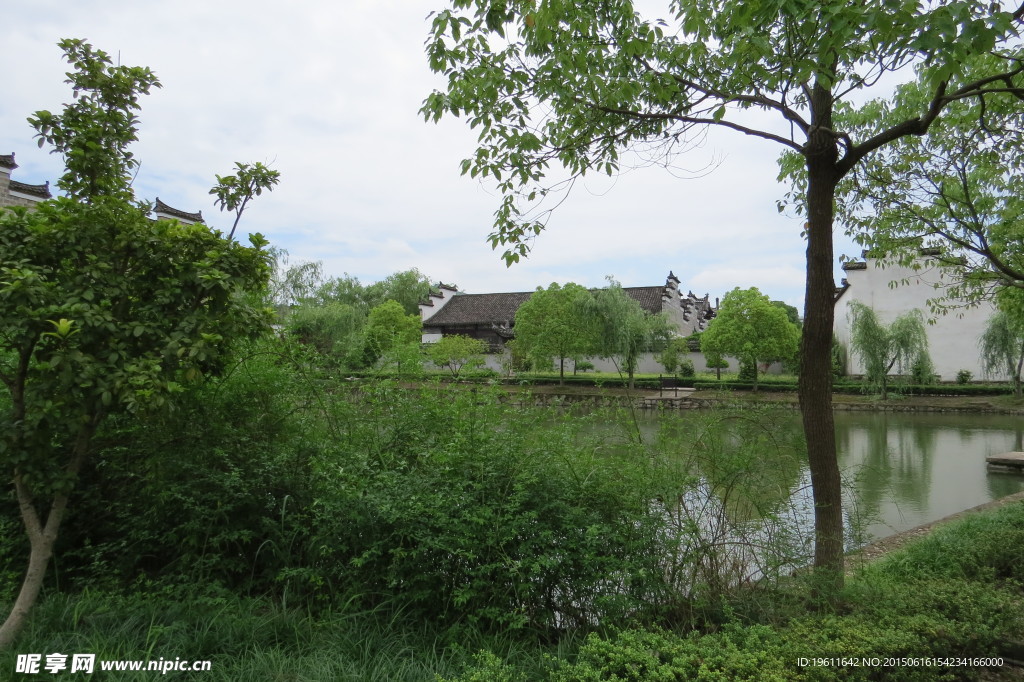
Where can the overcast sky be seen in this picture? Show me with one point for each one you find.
(328, 94)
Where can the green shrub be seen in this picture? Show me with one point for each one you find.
(455, 508)
(964, 377)
(686, 369)
(748, 371)
(583, 366)
(923, 371)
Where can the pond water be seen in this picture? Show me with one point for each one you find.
(900, 469)
(912, 468)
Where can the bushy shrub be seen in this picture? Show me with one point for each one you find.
(964, 377)
(748, 371)
(923, 371)
(456, 507)
(686, 369)
(211, 492)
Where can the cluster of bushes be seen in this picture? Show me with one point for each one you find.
(953, 594)
(788, 384)
(275, 481)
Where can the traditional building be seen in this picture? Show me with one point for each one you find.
(162, 211)
(491, 317)
(892, 290)
(15, 193)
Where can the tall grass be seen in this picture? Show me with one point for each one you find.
(257, 640)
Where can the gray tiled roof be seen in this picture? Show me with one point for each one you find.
(7, 161)
(41, 191)
(161, 207)
(649, 298)
(479, 309)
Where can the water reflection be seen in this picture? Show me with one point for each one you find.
(912, 468)
(901, 469)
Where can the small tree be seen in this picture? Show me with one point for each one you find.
(750, 327)
(234, 192)
(881, 348)
(551, 324)
(1002, 348)
(673, 354)
(457, 353)
(102, 310)
(716, 362)
(387, 327)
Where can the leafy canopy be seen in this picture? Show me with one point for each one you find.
(552, 323)
(751, 327)
(92, 134)
(551, 84)
(457, 352)
(958, 192)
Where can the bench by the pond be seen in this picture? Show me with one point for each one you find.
(1009, 460)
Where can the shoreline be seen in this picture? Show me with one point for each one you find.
(880, 548)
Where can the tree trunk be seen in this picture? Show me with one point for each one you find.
(561, 371)
(42, 538)
(1017, 393)
(815, 384)
(41, 541)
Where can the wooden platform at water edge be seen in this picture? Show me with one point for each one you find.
(1007, 460)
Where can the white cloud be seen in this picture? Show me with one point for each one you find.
(329, 94)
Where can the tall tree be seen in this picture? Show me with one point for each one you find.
(900, 345)
(552, 324)
(101, 309)
(1002, 348)
(958, 192)
(621, 329)
(751, 327)
(574, 84)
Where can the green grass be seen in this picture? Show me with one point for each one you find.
(253, 640)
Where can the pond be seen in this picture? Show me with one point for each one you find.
(900, 469)
(912, 468)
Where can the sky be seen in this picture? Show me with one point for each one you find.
(328, 93)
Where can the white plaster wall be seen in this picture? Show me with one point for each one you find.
(952, 338)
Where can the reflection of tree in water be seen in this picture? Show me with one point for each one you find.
(893, 458)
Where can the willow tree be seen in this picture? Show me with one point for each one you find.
(551, 83)
(1002, 348)
(882, 347)
(620, 329)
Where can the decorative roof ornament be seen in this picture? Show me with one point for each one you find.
(37, 191)
(162, 210)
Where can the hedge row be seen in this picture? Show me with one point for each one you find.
(856, 388)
